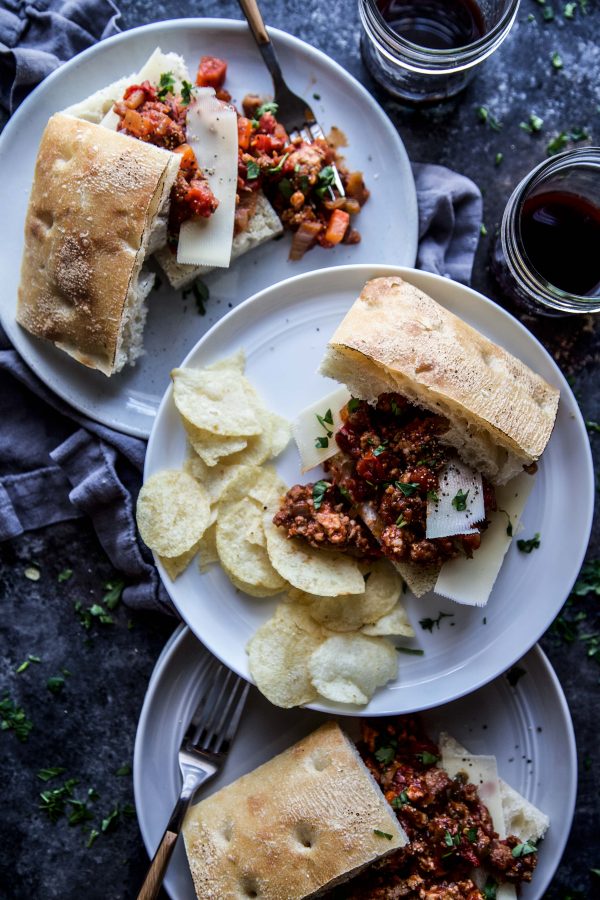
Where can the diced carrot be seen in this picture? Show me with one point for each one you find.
(211, 72)
(244, 132)
(188, 160)
(337, 226)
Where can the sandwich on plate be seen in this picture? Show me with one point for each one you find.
(430, 448)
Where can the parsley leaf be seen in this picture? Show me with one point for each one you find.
(124, 770)
(383, 834)
(433, 496)
(353, 404)
(569, 10)
(487, 118)
(413, 651)
(25, 665)
(252, 170)
(428, 759)
(401, 521)
(166, 85)
(285, 188)
(524, 849)
(64, 575)
(321, 443)
(490, 889)
(429, 624)
(471, 834)
(275, 169)
(13, 717)
(111, 819)
(114, 590)
(379, 450)
(385, 755)
(55, 684)
(460, 501)
(407, 488)
(49, 774)
(186, 93)
(92, 837)
(556, 60)
(54, 801)
(320, 488)
(592, 427)
(533, 124)
(400, 801)
(498, 158)
(270, 107)
(325, 182)
(529, 545)
(588, 581)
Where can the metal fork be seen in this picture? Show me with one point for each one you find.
(203, 751)
(293, 112)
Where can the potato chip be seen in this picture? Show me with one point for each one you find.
(278, 653)
(173, 512)
(245, 560)
(207, 548)
(262, 484)
(351, 611)
(235, 362)
(253, 590)
(420, 579)
(175, 565)
(281, 432)
(211, 448)
(394, 622)
(217, 400)
(314, 571)
(347, 668)
(258, 446)
(214, 479)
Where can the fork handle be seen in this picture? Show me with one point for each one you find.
(259, 33)
(156, 873)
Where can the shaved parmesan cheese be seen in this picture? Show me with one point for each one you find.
(314, 429)
(470, 581)
(212, 135)
(159, 63)
(459, 486)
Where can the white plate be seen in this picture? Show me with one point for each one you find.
(388, 223)
(527, 728)
(284, 331)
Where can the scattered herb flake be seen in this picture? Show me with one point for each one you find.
(186, 93)
(558, 143)
(320, 488)
(25, 665)
(490, 889)
(253, 170)
(13, 717)
(92, 837)
(64, 575)
(379, 450)
(487, 118)
(353, 404)
(514, 674)
(401, 521)
(427, 758)
(498, 158)
(526, 546)
(273, 170)
(383, 834)
(50, 773)
(569, 10)
(524, 849)
(413, 651)
(548, 14)
(55, 684)
(321, 443)
(400, 801)
(166, 85)
(592, 427)
(316, 96)
(460, 501)
(588, 581)
(385, 755)
(430, 624)
(557, 62)
(113, 589)
(483, 229)
(111, 820)
(408, 488)
(325, 182)
(54, 801)
(285, 188)
(472, 834)
(270, 107)
(124, 770)
(533, 124)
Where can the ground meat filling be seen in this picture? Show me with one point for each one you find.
(389, 461)
(449, 828)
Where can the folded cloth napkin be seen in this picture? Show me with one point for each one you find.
(55, 464)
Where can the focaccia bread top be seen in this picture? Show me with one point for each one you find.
(396, 338)
(94, 196)
(304, 820)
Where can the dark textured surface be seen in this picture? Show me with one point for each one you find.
(89, 728)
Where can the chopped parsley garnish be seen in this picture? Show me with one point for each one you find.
(509, 525)
(427, 758)
(166, 85)
(50, 773)
(270, 107)
(548, 14)
(124, 770)
(110, 821)
(325, 182)
(487, 118)
(321, 443)
(400, 801)
(408, 488)
(450, 840)
(589, 580)
(113, 589)
(385, 755)
(275, 169)
(319, 491)
(592, 427)
(353, 404)
(383, 834)
(379, 450)
(514, 674)
(524, 849)
(557, 62)
(490, 889)
(432, 495)
(55, 684)
(401, 521)
(25, 665)
(325, 420)
(64, 575)
(430, 624)
(471, 834)
(253, 170)
(395, 408)
(79, 812)
(460, 501)
(54, 801)
(92, 837)
(528, 545)
(345, 493)
(285, 188)
(413, 651)
(569, 10)
(87, 615)
(533, 124)
(200, 293)
(186, 93)
(13, 717)
(498, 158)
(558, 143)
(483, 229)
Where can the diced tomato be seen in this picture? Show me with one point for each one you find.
(201, 199)
(266, 143)
(337, 226)
(145, 86)
(244, 132)
(211, 72)
(188, 162)
(267, 123)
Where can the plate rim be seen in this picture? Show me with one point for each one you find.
(184, 25)
(182, 633)
(589, 495)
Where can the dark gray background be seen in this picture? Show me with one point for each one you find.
(90, 727)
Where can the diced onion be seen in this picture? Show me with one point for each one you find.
(443, 518)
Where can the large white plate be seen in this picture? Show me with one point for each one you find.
(284, 331)
(388, 223)
(527, 728)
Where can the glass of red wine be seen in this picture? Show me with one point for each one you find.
(426, 51)
(547, 253)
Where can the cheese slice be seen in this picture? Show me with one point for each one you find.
(470, 581)
(159, 63)
(308, 429)
(456, 480)
(212, 135)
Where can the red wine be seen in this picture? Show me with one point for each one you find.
(435, 24)
(560, 233)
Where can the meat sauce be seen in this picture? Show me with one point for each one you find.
(296, 176)
(389, 462)
(449, 828)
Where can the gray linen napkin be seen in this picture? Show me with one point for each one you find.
(55, 464)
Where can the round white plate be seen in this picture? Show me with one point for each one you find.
(284, 330)
(528, 728)
(388, 223)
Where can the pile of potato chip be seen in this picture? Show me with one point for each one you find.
(327, 637)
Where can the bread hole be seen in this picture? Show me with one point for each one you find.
(321, 760)
(227, 832)
(46, 218)
(305, 835)
(249, 887)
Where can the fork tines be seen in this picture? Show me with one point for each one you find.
(218, 713)
(309, 132)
